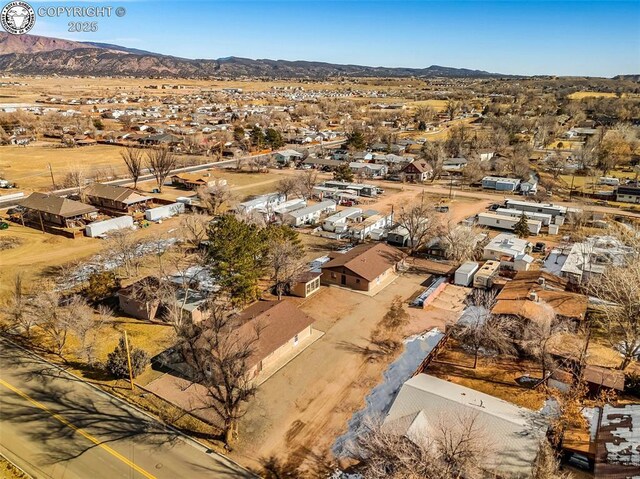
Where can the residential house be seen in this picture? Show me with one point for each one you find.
(115, 199)
(513, 433)
(192, 181)
(592, 256)
(628, 194)
(339, 220)
(52, 210)
(511, 251)
(282, 327)
(373, 225)
(454, 165)
(140, 299)
(262, 202)
(505, 222)
(368, 170)
(546, 208)
(534, 295)
(363, 268)
(416, 172)
(499, 183)
(161, 139)
(288, 157)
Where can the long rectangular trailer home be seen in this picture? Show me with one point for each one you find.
(504, 222)
(528, 206)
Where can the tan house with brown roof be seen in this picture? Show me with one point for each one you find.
(45, 209)
(363, 268)
(282, 327)
(115, 198)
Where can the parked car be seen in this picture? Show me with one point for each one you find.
(539, 247)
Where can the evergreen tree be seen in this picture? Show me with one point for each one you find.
(356, 140)
(343, 173)
(521, 228)
(117, 361)
(274, 138)
(236, 257)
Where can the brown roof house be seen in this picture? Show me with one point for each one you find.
(141, 299)
(115, 198)
(145, 300)
(275, 329)
(54, 210)
(364, 268)
(534, 294)
(192, 181)
(417, 171)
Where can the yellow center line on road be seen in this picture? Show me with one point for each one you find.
(80, 431)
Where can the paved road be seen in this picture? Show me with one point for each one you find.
(54, 426)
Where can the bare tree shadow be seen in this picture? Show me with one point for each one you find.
(58, 406)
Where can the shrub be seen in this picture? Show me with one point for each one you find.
(117, 361)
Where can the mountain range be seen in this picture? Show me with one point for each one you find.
(38, 55)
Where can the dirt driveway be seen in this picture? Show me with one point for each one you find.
(307, 404)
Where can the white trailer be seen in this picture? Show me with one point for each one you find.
(98, 228)
(340, 218)
(503, 222)
(464, 274)
(166, 211)
(310, 214)
(545, 218)
(546, 208)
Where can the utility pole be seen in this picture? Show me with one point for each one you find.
(126, 344)
(53, 181)
(573, 177)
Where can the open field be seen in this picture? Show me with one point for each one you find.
(29, 166)
(39, 255)
(579, 95)
(39, 88)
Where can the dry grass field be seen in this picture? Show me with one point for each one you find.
(28, 166)
(579, 95)
(39, 88)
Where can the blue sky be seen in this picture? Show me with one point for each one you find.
(599, 38)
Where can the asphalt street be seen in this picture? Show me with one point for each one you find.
(52, 425)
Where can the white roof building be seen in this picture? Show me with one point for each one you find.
(510, 433)
(593, 255)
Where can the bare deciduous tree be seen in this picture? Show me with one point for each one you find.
(20, 314)
(619, 313)
(218, 353)
(306, 182)
(453, 448)
(287, 186)
(285, 259)
(459, 242)
(160, 161)
(420, 222)
(124, 246)
(215, 197)
(479, 330)
(537, 337)
(133, 159)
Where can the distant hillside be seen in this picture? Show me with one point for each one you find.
(632, 77)
(31, 55)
